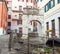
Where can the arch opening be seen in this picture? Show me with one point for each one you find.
(35, 28)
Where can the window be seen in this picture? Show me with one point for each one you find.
(46, 8)
(59, 26)
(49, 5)
(52, 3)
(20, 30)
(20, 17)
(20, 8)
(19, 22)
(47, 27)
(9, 23)
(58, 1)
(26, 0)
(9, 16)
(8, 31)
(53, 27)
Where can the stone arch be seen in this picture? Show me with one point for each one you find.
(40, 22)
(26, 25)
(37, 21)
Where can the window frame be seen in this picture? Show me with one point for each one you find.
(52, 5)
(47, 27)
(58, 1)
(19, 22)
(9, 23)
(9, 16)
(49, 5)
(53, 27)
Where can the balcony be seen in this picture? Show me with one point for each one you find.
(30, 11)
(18, 11)
(15, 19)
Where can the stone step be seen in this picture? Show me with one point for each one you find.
(33, 34)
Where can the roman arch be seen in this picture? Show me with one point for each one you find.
(26, 21)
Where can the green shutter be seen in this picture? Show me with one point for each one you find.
(58, 1)
(45, 8)
(49, 5)
(53, 3)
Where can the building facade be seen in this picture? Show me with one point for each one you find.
(51, 16)
(32, 22)
(9, 15)
(3, 17)
(18, 18)
(17, 10)
(20, 22)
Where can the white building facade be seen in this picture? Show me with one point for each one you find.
(51, 16)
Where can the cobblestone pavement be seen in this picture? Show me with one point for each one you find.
(4, 41)
(5, 51)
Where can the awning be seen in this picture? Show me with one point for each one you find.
(56, 42)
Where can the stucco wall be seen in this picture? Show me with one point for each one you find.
(53, 17)
(3, 15)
